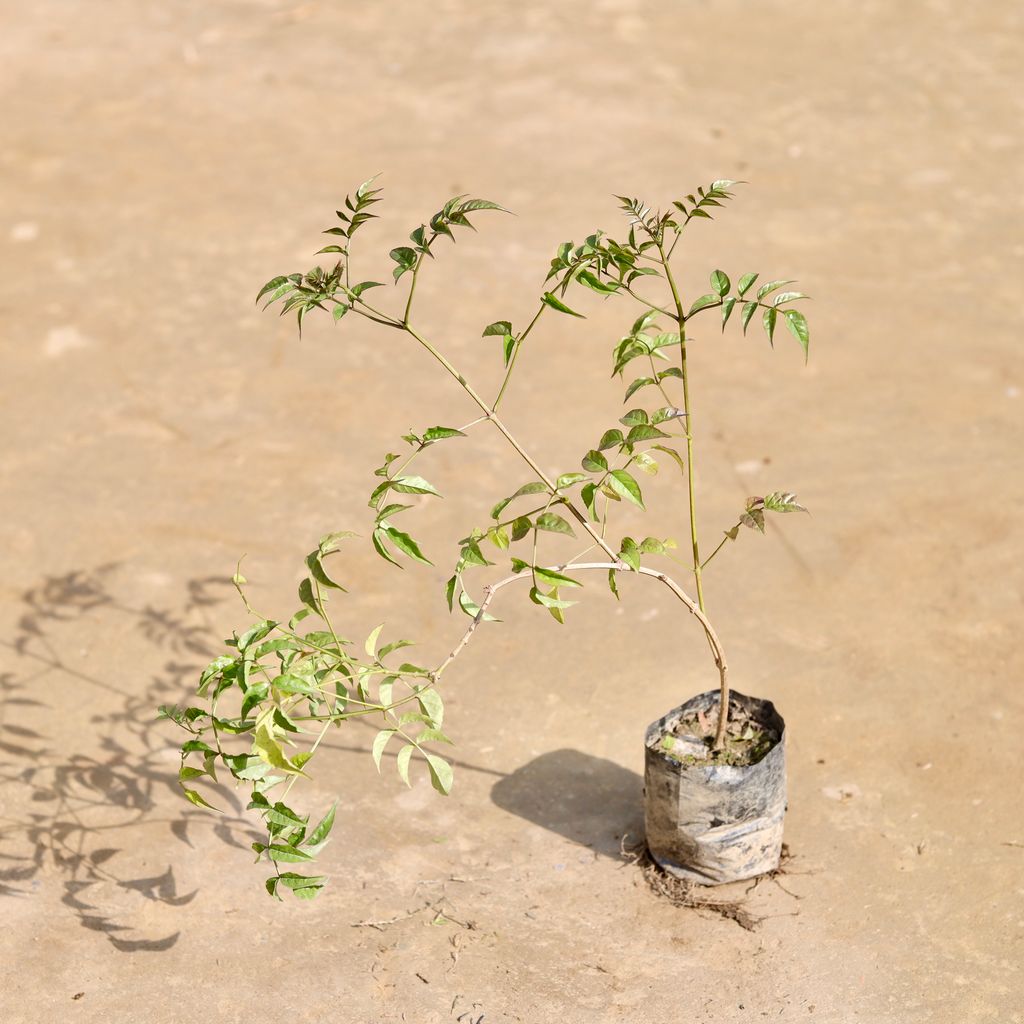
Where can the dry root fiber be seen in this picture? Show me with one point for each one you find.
(681, 892)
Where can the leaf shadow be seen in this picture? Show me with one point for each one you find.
(82, 812)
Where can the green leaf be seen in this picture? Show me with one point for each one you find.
(748, 311)
(521, 526)
(471, 553)
(783, 297)
(499, 328)
(667, 340)
(753, 519)
(629, 553)
(364, 286)
(613, 585)
(498, 537)
(536, 487)
(271, 751)
(413, 485)
(390, 510)
(293, 622)
(727, 307)
(307, 892)
(395, 645)
(254, 634)
(280, 814)
(380, 741)
(549, 601)
(644, 432)
(770, 316)
(595, 462)
(770, 287)
(193, 797)
(569, 480)
(667, 412)
(745, 282)
(405, 258)
(550, 300)
(644, 462)
(653, 546)
(440, 773)
(194, 746)
(317, 571)
(555, 579)
(364, 192)
(703, 302)
(330, 541)
(720, 282)
(305, 887)
(635, 417)
(626, 486)
(295, 684)
(288, 854)
(553, 523)
(480, 204)
(318, 837)
(594, 283)
(640, 382)
(472, 609)
(797, 324)
(402, 762)
(406, 544)
(234, 726)
(609, 439)
(274, 282)
(215, 668)
(753, 515)
(627, 351)
(433, 706)
(782, 501)
(308, 597)
(370, 646)
(378, 538)
(432, 434)
(674, 455)
(434, 736)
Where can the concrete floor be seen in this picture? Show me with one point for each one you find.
(161, 161)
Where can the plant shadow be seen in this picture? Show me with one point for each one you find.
(589, 800)
(80, 813)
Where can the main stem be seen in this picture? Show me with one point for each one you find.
(723, 704)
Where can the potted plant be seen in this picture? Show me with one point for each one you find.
(715, 778)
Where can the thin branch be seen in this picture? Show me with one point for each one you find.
(618, 566)
(650, 305)
(515, 354)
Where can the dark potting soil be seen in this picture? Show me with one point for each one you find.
(747, 741)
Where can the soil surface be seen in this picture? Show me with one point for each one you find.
(161, 161)
(692, 739)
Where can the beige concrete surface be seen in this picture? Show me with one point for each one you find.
(161, 160)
